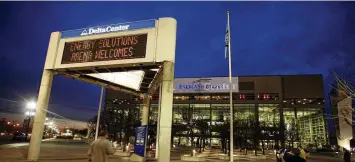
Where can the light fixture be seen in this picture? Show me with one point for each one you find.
(31, 105)
(130, 79)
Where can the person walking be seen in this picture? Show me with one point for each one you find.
(279, 155)
(347, 155)
(294, 156)
(303, 153)
(101, 148)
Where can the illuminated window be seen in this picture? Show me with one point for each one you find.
(268, 96)
(220, 97)
(202, 97)
(269, 115)
(181, 98)
(243, 96)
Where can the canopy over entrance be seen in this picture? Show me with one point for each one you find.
(136, 80)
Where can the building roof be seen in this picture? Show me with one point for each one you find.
(253, 76)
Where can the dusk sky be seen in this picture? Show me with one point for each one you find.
(267, 38)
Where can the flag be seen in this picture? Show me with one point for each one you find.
(227, 39)
(227, 44)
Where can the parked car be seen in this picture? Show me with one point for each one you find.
(19, 136)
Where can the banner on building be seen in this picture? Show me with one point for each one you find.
(205, 85)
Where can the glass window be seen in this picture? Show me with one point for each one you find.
(201, 111)
(181, 98)
(181, 113)
(269, 115)
(220, 97)
(244, 96)
(311, 127)
(244, 115)
(220, 113)
(304, 101)
(268, 96)
(206, 97)
(153, 116)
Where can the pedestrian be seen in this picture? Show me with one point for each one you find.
(347, 155)
(294, 156)
(279, 155)
(303, 153)
(101, 148)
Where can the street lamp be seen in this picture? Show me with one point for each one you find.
(31, 105)
(31, 108)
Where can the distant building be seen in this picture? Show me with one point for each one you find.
(18, 118)
(269, 111)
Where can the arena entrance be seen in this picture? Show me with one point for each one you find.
(135, 58)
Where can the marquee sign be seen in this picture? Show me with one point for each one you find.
(113, 46)
(105, 49)
(205, 85)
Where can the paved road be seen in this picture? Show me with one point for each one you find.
(6, 140)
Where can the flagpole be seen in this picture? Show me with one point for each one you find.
(230, 92)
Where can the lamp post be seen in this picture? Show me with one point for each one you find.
(31, 108)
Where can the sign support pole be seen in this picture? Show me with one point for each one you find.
(145, 120)
(42, 101)
(40, 117)
(158, 125)
(99, 114)
(167, 110)
(140, 155)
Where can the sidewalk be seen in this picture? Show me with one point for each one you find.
(49, 152)
(74, 151)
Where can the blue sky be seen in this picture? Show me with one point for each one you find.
(268, 38)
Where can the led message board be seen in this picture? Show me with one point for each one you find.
(105, 49)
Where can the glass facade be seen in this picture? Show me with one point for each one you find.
(258, 124)
(264, 115)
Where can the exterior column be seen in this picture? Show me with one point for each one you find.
(256, 129)
(145, 113)
(166, 111)
(210, 124)
(40, 117)
(43, 99)
(145, 121)
(158, 125)
(282, 126)
(281, 109)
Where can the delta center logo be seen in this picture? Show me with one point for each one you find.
(106, 29)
